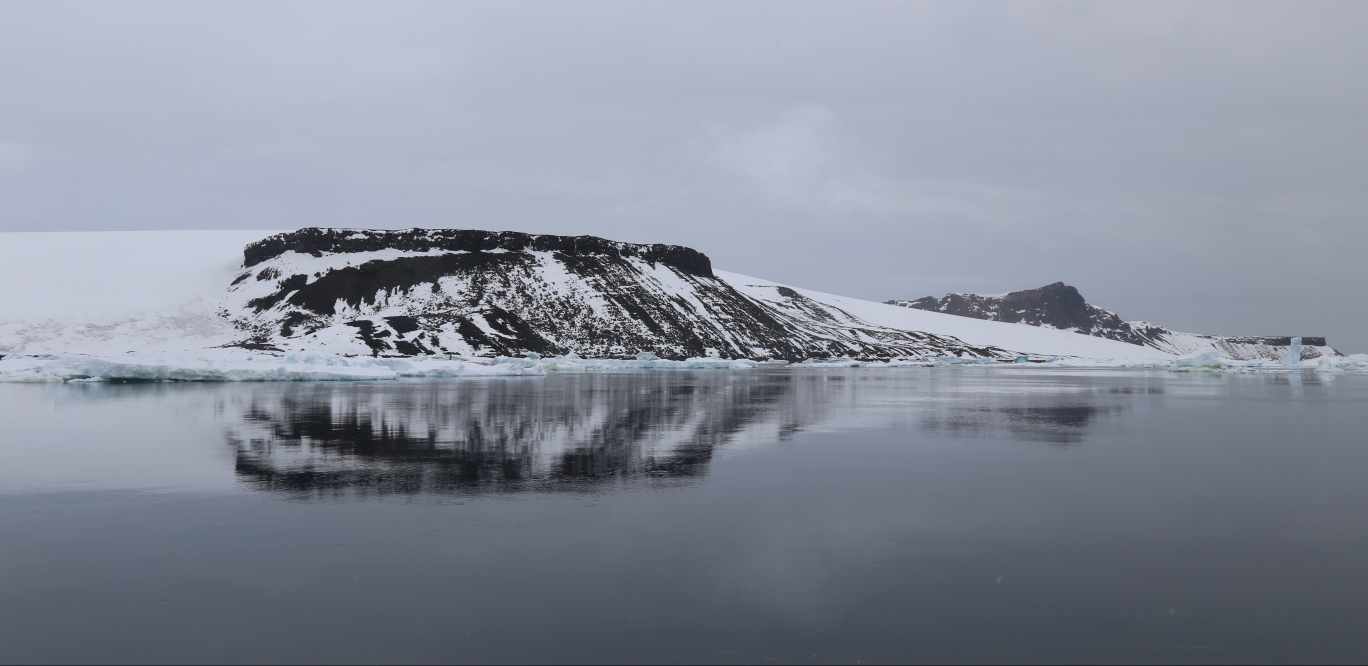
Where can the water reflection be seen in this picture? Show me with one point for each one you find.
(578, 432)
(570, 432)
(984, 515)
(1056, 424)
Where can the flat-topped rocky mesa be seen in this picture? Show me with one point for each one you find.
(485, 293)
(317, 242)
(1062, 307)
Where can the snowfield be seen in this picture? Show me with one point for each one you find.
(175, 305)
(105, 293)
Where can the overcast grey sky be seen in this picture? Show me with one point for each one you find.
(1200, 165)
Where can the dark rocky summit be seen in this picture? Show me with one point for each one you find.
(317, 242)
(1055, 305)
(1061, 306)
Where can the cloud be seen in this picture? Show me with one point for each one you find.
(1164, 156)
(805, 158)
(14, 156)
(809, 159)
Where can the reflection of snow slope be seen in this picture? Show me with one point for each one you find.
(575, 432)
(558, 432)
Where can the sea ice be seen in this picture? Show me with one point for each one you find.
(224, 365)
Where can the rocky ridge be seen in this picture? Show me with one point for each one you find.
(1062, 307)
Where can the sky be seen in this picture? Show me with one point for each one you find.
(1199, 165)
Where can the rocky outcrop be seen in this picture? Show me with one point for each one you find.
(1062, 307)
(1056, 305)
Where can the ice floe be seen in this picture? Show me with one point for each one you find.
(1210, 361)
(235, 365)
(229, 365)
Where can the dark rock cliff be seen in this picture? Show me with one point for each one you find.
(317, 242)
(440, 291)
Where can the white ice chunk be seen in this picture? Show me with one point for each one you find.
(1207, 360)
(1293, 355)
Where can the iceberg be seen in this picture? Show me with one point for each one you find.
(1211, 361)
(1354, 363)
(1204, 361)
(1293, 355)
(834, 362)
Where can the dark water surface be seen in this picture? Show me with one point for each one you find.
(790, 515)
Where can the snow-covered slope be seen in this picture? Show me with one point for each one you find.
(115, 292)
(137, 299)
(1060, 306)
(1236, 347)
(1027, 339)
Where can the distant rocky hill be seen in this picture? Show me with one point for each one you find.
(453, 291)
(1061, 306)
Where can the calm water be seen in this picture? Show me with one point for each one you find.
(809, 516)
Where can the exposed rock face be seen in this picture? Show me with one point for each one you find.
(420, 291)
(1056, 306)
(1061, 306)
(317, 242)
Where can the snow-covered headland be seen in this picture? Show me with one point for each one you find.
(320, 304)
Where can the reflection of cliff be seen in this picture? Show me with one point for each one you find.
(570, 432)
(577, 432)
